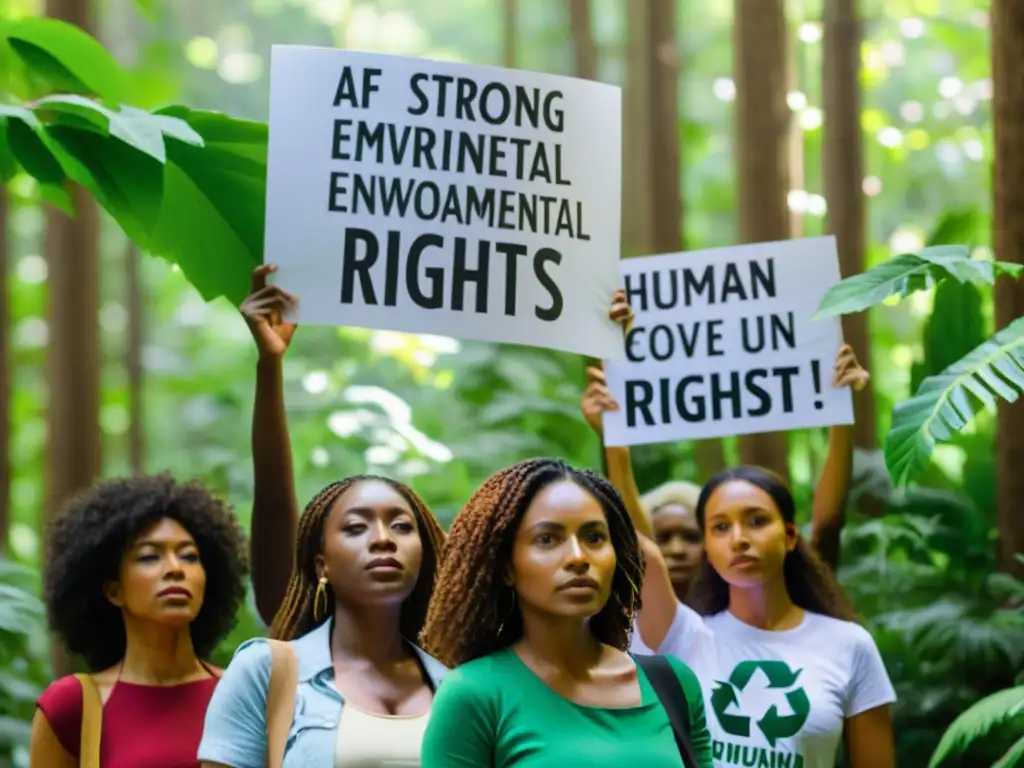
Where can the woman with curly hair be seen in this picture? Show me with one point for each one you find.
(786, 669)
(144, 577)
(363, 557)
(534, 606)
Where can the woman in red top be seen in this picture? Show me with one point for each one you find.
(144, 577)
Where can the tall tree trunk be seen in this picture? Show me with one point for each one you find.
(509, 29)
(1008, 107)
(637, 167)
(133, 360)
(583, 45)
(762, 119)
(663, 139)
(6, 378)
(795, 132)
(73, 353)
(665, 163)
(843, 160)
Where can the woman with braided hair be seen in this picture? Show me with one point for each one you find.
(364, 571)
(534, 605)
(365, 555)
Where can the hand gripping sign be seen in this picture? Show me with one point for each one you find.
(723, 344)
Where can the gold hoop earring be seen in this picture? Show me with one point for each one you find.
(508, 614)
(321, 594)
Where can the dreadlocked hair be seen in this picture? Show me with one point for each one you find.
(295, 617)
(810, 583)
(473, 611)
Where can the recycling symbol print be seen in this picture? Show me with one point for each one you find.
(725, 700)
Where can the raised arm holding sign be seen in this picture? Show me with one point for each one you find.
(423, 196)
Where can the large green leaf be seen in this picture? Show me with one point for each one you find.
(1014, 756)
(977, 722)
(62, 57)
(136, 127)
(946, 403)
(957, 323)
(8, 164)
(211, 221)
(32, 154)
(956, 326)
(125, 181)
(188, 186)
(908, 273)
(960, 226)
(99, 148)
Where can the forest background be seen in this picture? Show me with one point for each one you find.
(743, 122)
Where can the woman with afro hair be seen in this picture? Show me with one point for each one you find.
(144, 577)
(534, 608)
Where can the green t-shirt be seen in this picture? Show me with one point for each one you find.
(495, 711)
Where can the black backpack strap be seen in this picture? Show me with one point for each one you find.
(670, 693)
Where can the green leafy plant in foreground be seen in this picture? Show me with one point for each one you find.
(980, 720)
(945, 403)
(183, 184)
(24, 657)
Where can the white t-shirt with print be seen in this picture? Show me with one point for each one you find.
(778, 699)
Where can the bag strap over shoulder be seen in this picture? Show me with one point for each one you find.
(284, 680)
(669, 690)
(92, 723)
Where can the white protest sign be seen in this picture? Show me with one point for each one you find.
(724, 344)
(413, 195)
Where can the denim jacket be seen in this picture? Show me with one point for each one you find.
(235, 733)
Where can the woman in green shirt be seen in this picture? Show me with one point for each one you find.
(534, 607)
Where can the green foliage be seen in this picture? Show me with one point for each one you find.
(908, 273)
(60, 57)
(923, 576)
(1013, 757)
(24, 666)
(443, 415)
(978, 722)
(957, 323)
(185, 185)
(947, 403)
(214, 197)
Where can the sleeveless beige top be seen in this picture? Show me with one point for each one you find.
(368, 740)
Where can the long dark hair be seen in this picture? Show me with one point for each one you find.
(296, 616)
(473, 611)
(810, 583)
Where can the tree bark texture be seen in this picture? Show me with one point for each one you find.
(583, 45)
(843, 161)
(1008, 109)
(73, 353)
(762, 124)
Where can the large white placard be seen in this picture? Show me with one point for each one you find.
(724, 344)
(431, 197)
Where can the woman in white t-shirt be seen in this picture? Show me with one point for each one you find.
(666, 514)
(787, 673)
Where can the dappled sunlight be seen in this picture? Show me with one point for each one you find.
(177, 364)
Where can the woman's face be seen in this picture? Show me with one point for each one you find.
(161, 577)
(371, 546)
(563, 561)
(746, 538)
(680, 540)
